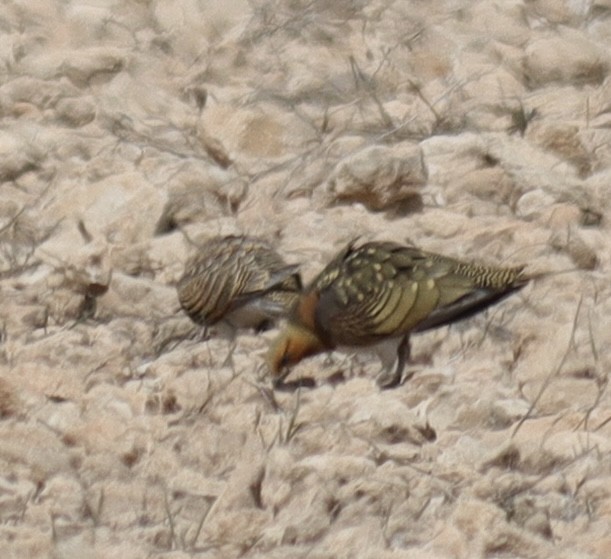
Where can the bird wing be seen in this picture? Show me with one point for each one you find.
(275, 290)
(259, 275)
(381, 290)
(467, 289)
(231, 272)
(202, 291)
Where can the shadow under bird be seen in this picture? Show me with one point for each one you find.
(238, 281)
(375, 295)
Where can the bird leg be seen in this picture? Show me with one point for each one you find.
(391, 379)
(278, 382)
(281, 385)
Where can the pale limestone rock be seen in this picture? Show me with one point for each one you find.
(10, 404)
(124, 433)
(378, 177)
(129, 296)
(508, 411)
(534, 203)
(38, 92)
(502, 21)
(75, 112)
(564, 141)
(17, 154)
(253, 132)
(198, 193)
(568, 57)
(598, 185)
(44, 455)
(559, 180)
(583, 256)
(566, 12)
(87, 270)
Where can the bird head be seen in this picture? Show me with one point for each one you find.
(294, 344)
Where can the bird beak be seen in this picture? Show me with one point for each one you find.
(277, 355)
(289, 348)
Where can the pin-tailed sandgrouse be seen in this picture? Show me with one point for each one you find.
(238, 280)
(379, 293)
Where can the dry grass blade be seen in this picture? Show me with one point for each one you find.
(553, 373)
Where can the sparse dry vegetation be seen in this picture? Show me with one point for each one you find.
(130, 132)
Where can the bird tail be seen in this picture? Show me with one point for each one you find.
(467, 306)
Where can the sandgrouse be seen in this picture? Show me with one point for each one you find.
(239, 281)
(376, 294)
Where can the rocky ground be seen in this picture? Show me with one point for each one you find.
(131, 130)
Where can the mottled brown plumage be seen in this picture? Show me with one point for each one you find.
(238, 280)
(377, 294)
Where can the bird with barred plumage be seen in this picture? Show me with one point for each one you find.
(237, 282)
(376, 294)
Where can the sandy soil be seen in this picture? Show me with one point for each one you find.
(130, 130)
